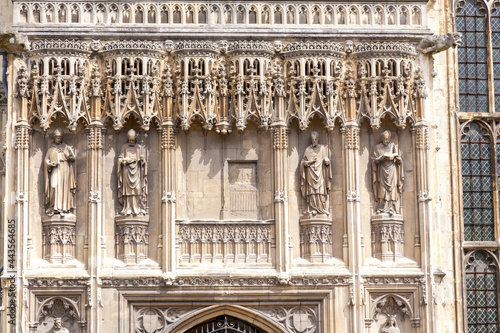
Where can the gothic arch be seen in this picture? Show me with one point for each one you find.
(237, 311)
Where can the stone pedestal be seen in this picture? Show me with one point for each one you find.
(316, 238)
(59, 238)
(132, 238)
(387, 237)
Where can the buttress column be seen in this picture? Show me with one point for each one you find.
(280, 168)
(351, 162)
(95, 246)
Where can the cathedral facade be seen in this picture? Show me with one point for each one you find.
(199, 166)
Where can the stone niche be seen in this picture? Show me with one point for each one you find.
(134, 238)
(317, 239)
(388, 237)
(58, 239)
(224, 177)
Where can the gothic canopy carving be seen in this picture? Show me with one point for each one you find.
(224, 85)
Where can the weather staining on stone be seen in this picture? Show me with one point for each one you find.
(132, 177)
(388, 177)
(315, 177)
(60, 182)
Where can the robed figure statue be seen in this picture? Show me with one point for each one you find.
(60, 183)
(315, 176)
(132, 177)
(388, 176)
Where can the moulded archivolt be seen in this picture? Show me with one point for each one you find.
(215, 14)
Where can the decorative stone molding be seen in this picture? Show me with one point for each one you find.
(316, 240)
(132, 238)
(22, 137)
(385, 49)
(190, 281)
(387, 237)
(297, 319)
(228, 243)
(59, 239)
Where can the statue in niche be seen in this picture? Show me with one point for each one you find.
(391, 325)
(132, 177)
(315, 175)
(58, 327)
(60, 183)
(388, 177)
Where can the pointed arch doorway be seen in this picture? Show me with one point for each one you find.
(226, 318)
(225, 324)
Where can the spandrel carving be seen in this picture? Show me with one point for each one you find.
(315, 176)
(132, 177)
(388, 177)
(60, 182)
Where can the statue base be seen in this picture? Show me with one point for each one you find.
(387, 236)
(59, 238)
(316, 238)
(132, 238)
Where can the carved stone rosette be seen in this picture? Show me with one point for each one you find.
(387, 237)
(316, 239)
(132, 238)
(59, 238)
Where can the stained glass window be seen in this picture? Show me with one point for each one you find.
(481, 293)
(477, 184)
(472, 58)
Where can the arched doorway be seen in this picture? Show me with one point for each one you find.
(225, 324)
(225, 318)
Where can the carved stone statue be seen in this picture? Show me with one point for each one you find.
(391, 325)
(132, 177)
(60, 183)
(438, 43)
(315, 175)
(388, 177)
(58, 326)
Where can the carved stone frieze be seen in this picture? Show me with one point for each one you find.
(210, 282)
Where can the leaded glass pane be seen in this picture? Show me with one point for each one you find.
(495, 38)
(477, 184)
(481, 293)
(472, 59)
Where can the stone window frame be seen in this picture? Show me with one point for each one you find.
(489, 120)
